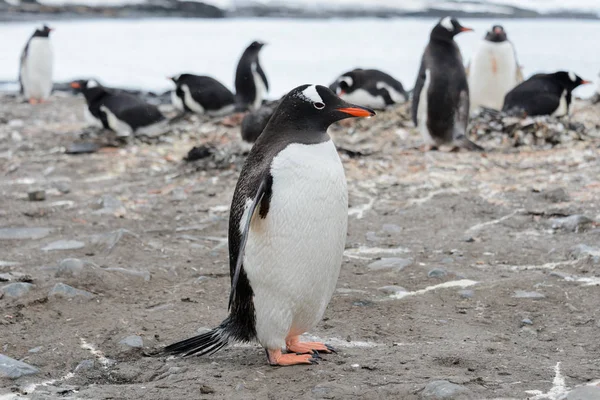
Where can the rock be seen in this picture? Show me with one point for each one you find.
(178, 194)
(69, 292)
(392, 289)
(572, 223)
(466, 293)
(444, 390)
(82, 148)
(523, 294)
(63, 186)
(437, 273)
(13, 369)
(84, 365)
(394, 263)
(145, 275)
(133, 341)
(584, 251)
(558, 195)
(36, 195)
(108, 204)
(17, 289)
(64, 245)
(526, 321)
(70, 267)
(391, 228)
(584, 393)
(372, 237)
(24, 233)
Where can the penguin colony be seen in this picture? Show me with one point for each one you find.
(289, 213)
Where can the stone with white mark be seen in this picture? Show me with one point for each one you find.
(17, 289)
(133, 341)
(444, 390)
(84, 365)
(526, 321)
(392, 289)
(393, 263)
(64, 245)
(69, 292)
(523, 294)
(572, 223)
(13, 369)
(24, 233)
(584, 393)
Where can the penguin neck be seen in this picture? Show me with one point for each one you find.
(305, 130)
(93, 94)
(437, 37)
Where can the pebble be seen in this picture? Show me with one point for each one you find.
(523, 294)
(35, 349)
(36, 195)
(397, 264)
(139, 274)
(392, 289)
(108, 204)
(572, 223)
(24, 233)
(466, 293)
(584, 251)
(63, 186)
(178, 194)
(16, 289)
(13, 369)
(64, 245)
(82, 148)
(84, 365)
(372, 237)
(584, 393)
(526, 321)
(437, 273)
(70, 267)
(62, 290)
(133, 341)
(444, 390)
(391, 228)
(558, 195)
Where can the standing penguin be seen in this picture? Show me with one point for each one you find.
(543, 94)
(369, 88)
(440, 106)
(287, 231)
(251, 85)
(120, 112)
(35, 71)
(202, 95)
(493, 71)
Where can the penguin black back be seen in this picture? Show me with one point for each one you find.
(251, 83)
(205, 92)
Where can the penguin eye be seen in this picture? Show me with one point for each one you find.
(318, 105)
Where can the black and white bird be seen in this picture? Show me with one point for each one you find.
(493, 71)
(440, 105)
(251, 85)
(201, 95)
(37, 63)
(120, 112)
(543, 94)
(255, 121)
(287, 231)
(369, 88)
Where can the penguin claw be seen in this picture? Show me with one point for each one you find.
(331, 348)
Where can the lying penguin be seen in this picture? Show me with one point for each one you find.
(120, 112)
(369, 88)
(543, 94)
(287, 232)
(35, 71)
(201, 95)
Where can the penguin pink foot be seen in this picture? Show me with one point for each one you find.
(276, 357)
(294, 345)
(33, 101)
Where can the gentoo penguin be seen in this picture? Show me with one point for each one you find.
(255, 121)
(201, 94)
(251, 85)
(493, 71)
(120, 112)
(440, 106)
(35, 72)
(369, 88)
(543, 94)
(287, 231)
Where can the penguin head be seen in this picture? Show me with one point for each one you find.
(255, 46)
(569, 79)
(348, 82)
(497, 34)
(43, 31)
(178, 79)
(313, 108)
(447, 28)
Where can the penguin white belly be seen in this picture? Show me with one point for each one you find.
(176, 101)
(363, 98)
(396, 96)
(121, 128)
(492, 74)
(259, 87)
(293, 256)
(228, 109)
(153, 130)
(190, 102)
(422, 109)
(37, 71)
(563, 108)
(89, 117)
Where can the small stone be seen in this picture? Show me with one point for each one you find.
(558, 195)
(17, 289)
(133, 341)
(396, 264)
(526, 321)
(64, 245)
(444, 390)
(447, 260)
(584, 251)
(205, 389)
(69, 267)
(16, 123)
(13, 369)
(66, 291)
(108, 204)
(35, 349)
(466, 293)
(178, 194)
(437, 273)
(572, 223)
(391, 228)
(82, 148)
(23, 233)
(84, 365)
(63, 186)
(523, 294)
(584, 393)
(37, 195)
(469, 239)
(145, 275)
(392, 289)
(372, 237)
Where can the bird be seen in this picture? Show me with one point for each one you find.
(493, 71)
(287, 230)
(120, 112)
(36, 66)
(255, 121)
(543, 94)
(251, 85)
(440, 105)
(369, 88)
(201, 95)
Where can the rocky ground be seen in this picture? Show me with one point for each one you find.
(466, 275)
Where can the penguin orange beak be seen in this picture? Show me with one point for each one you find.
(357, 111)
(75, 85)
(584, 82)
(465, 29)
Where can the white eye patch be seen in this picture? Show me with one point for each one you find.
(349, 81)
(447, 23)
(92, 84)
(311, 94)
(572, 76)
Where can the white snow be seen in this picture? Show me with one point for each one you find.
(141, 53)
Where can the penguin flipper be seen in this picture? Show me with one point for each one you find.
(263, 76)
(417, 93)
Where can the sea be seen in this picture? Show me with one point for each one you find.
(141, 54)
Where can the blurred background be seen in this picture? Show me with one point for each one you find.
(137, 43)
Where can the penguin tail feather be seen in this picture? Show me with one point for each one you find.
(465, 143)
(204, 344)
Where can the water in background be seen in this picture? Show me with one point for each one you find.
(141, 53)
